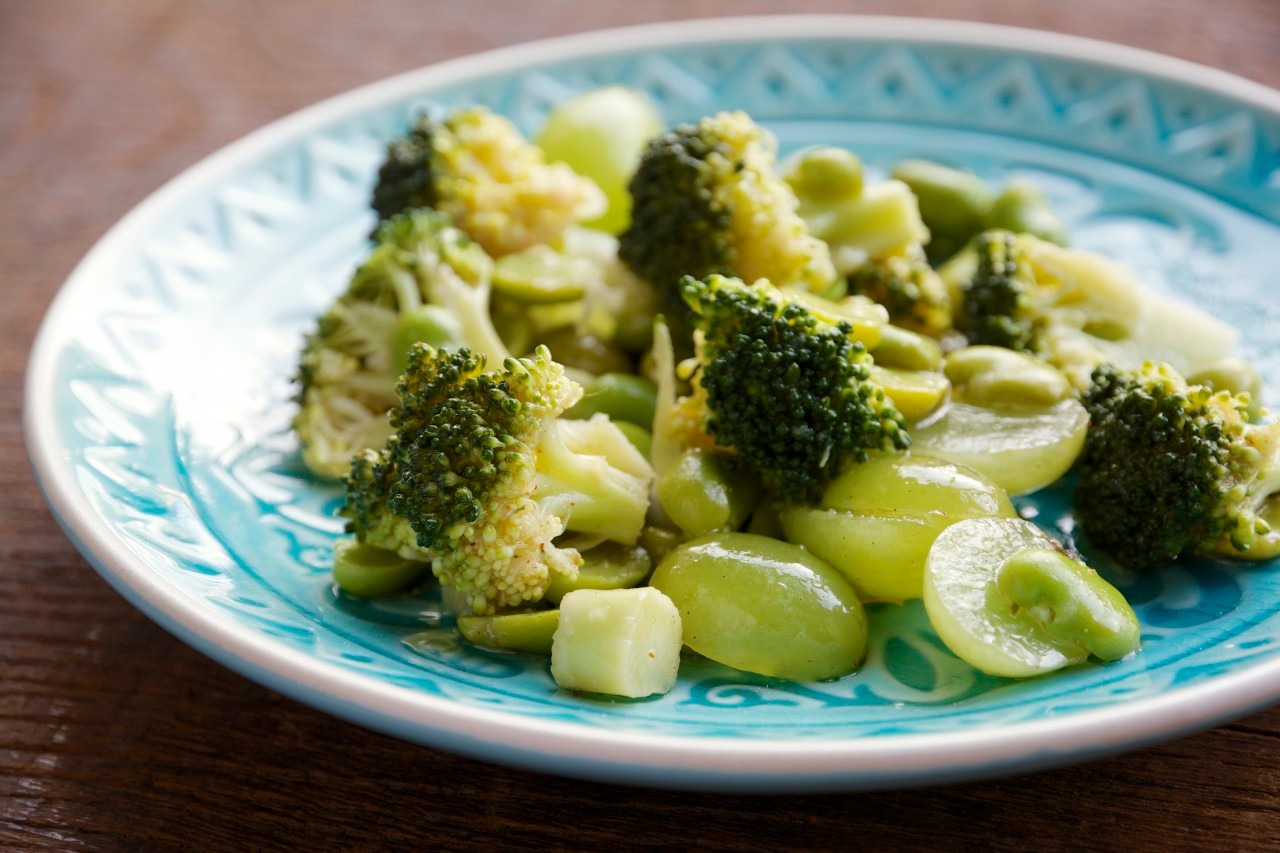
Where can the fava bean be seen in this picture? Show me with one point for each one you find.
(1069, 601)
(997, 377)
(369, 572)
(1023, 208)
(517, 632)
(704, 492)
(621, 396)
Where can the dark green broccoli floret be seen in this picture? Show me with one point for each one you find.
(705, 199)
(997, 308)
(786, 389)
(909, 289)
(1169, 467)
(498, 188)
(482, 474)
(425, 280)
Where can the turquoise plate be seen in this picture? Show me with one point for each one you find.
(158, 401)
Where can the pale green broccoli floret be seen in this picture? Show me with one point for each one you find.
(484, 474)
(425, 280)
(706, 199)
(476, 167)
(1073, 308)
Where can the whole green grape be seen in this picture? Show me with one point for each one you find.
(764, 606)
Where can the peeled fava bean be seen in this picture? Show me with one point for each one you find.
(1003, 598)
(876, 522)
(764, 606)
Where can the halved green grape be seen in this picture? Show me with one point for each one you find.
(916, 393)
(606, 566)
(518, 632)
(624, 642)
(876, 521)
(370, 572)
(601, 134)
(621, 396)
(883, 220)
(704, 491)
(1018, 449)
(1070, 602)
(429, 324)
(996, 634)
(867, 317)
(765, 606)
(540, 275)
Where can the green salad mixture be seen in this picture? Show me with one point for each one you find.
(628, 392)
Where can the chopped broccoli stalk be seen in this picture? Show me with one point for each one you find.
(424, 280)
(1169, 467)
(786, 390)
(484, 474)
(498, 187)
(909, 289)
(706, 199)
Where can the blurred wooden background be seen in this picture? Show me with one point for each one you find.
(115, 736)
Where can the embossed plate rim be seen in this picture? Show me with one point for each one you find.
(569, 748)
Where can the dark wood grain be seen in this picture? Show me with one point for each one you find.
(114, 736)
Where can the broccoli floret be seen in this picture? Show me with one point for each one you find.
(423, 272)
(1075, 309)
(786, 389)
(909, 289)
(705, 199)
(498, 188)
(1169, 467)
(486, 474)
(997, 306)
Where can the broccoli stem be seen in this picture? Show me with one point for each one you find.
(588, 493)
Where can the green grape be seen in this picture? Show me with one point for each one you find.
(876, 522)
(601, 134)
(370, 572)
(1018, 449)
(517, 632)
(765, 606)
(606, 566)
(1015, 631)
(540, 275)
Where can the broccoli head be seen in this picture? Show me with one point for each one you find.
(485, 474)
(705, 199)
(997, 307)
(424, 280)
(1169, 467)
(786, 388)
(498, 187)
(909, 289)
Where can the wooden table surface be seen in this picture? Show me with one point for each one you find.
(114, 735)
